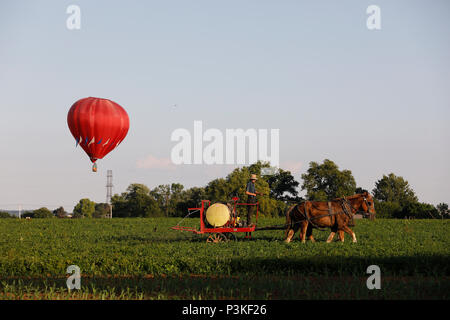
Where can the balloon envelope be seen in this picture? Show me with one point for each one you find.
(98, 125)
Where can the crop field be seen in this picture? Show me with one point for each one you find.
(143, 259)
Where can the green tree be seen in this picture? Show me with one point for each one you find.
(419, 211)
(326, 182)
(442, 209)
(102, 210)
(136, 202)
(168, 198)
(60, 212)
(42, 213)
(218, 190)
(139, 201)
(4, 214)
(283, 186)
(190, 198)
(394, 188)
(120, 205)
(176, 197)
(84, 209)
(388, 209)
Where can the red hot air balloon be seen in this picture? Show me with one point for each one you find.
(98, 126)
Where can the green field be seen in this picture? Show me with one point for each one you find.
(143, 259)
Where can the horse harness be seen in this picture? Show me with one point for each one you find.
(345, 205)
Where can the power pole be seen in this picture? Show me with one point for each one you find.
(109, 186)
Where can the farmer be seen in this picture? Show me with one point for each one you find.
(251, 193)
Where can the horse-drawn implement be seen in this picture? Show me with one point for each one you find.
(217, 231)
(223, 222)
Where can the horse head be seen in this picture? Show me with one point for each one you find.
(362, 203)
(367, 204)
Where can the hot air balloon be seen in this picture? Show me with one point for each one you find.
(98, 126)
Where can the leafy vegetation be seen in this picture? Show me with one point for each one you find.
(142, 258)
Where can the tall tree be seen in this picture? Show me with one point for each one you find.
(42, 213)
(60, 212)
(84, 209)
(176, 190)
(392, 188)
(442, 209)
(283, 186)
(325, 181)
(168, 198)
(102, 210)
(120, 205)
(139, 201)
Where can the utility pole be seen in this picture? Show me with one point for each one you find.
(20, 211)
(109, 186)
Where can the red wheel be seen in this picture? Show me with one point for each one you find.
(217, 237)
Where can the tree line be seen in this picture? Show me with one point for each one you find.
(394, 197)
(84, 209)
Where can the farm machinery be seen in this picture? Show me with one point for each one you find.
(221, 221)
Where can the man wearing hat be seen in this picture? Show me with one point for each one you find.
(251, 193)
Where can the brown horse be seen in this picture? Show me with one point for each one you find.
(335, 214)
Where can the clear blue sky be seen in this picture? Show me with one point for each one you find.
(374, 102)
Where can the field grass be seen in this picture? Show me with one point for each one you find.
(143, 259)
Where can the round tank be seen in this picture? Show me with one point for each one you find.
(218, 214)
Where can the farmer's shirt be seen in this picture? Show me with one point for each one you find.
(251, 189)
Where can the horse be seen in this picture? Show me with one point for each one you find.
(335, 214)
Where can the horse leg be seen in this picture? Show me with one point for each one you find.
(309, 234)
(350, 232)
(289, 230)
(331, 236)
(289, 234)
(341, 235)
(303, 229)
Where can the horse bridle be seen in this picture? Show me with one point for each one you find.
(365, 213)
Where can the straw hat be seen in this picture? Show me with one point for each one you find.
(253, 177)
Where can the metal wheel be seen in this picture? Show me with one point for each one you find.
(216, 238)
